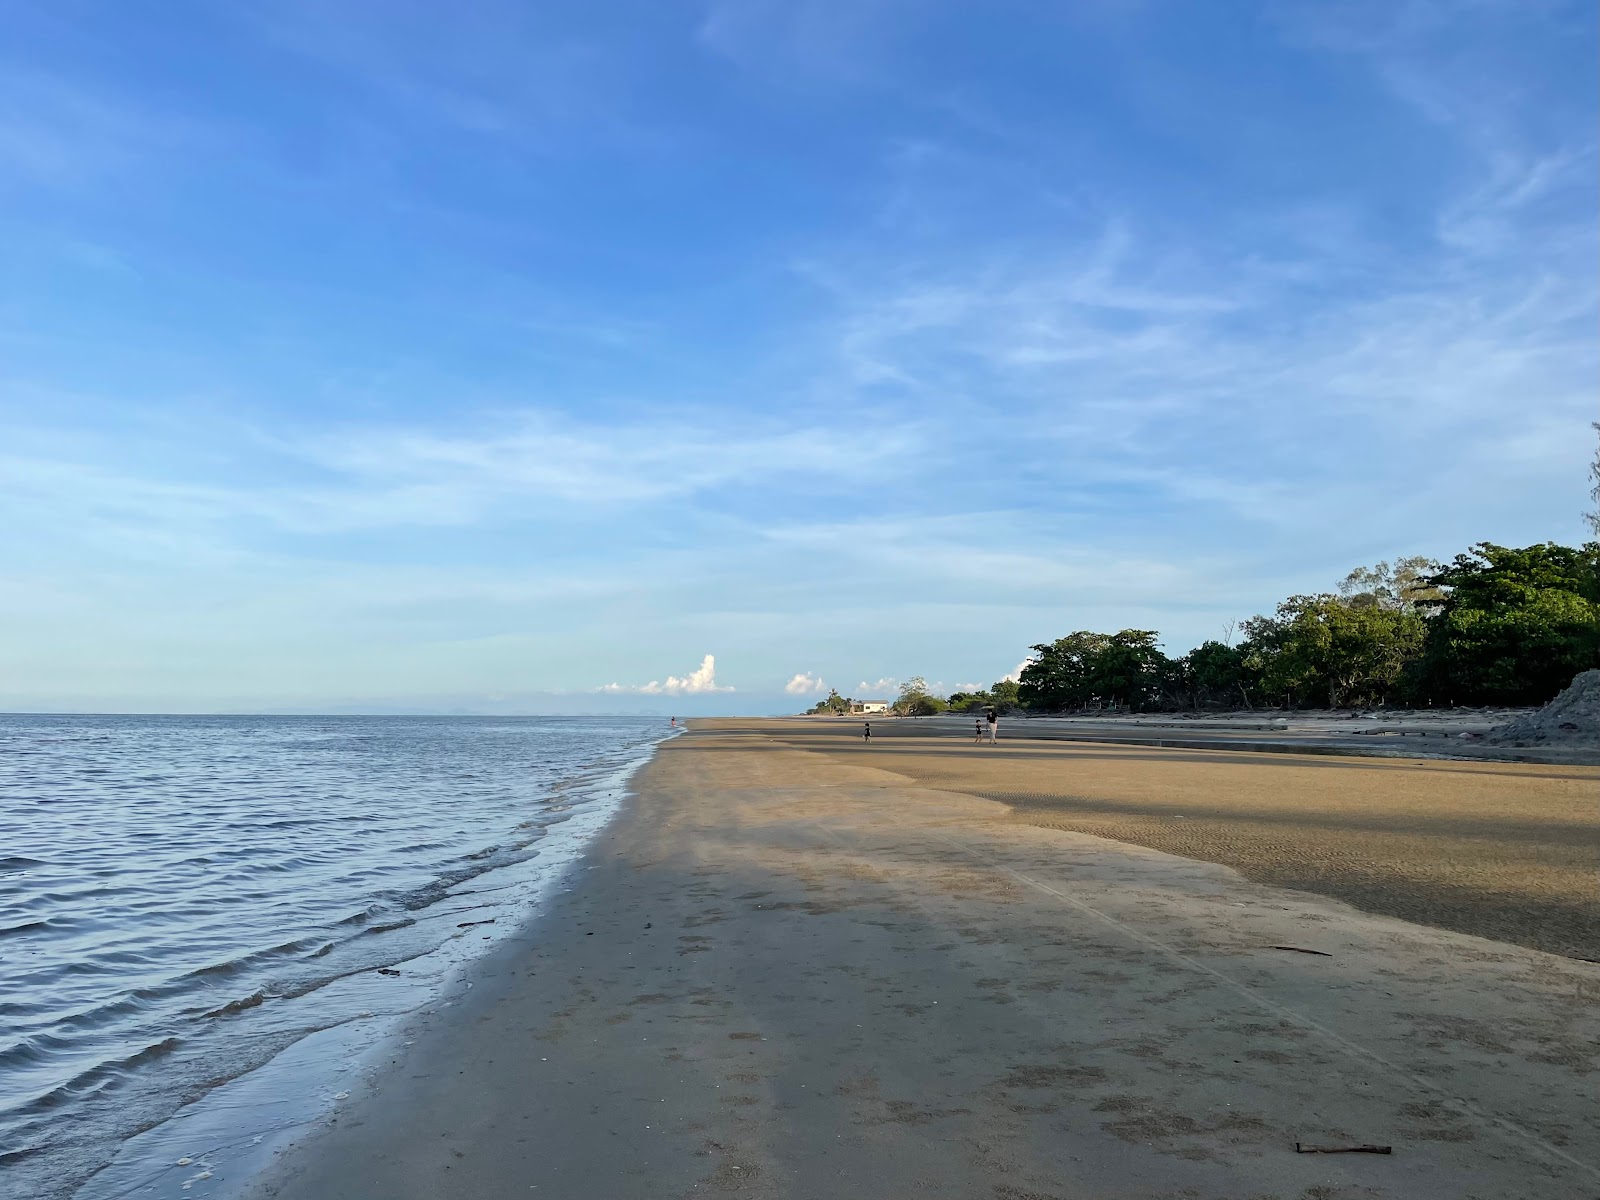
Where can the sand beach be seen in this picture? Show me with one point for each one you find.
(798, 966)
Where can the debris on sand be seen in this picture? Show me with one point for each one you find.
(1571, 719)
(1305, 1148)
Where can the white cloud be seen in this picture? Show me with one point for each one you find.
(884, 687)
(702, 680)
(804, 684)
(543, 457)
(534, 464)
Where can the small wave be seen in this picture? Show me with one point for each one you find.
(164, 1046)
(484, 860)
(98, 1016)
(231, 966)
(18, 862)
(37, 1048)
(29, 927)
(390, 925)
(254, 1000)
(99, 1076)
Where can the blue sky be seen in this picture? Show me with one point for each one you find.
(516, 357)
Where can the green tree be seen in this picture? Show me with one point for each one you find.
(1512, 626)
(1216, 675)
(1402, 587)
(832, 703)
(1059, 674)
(915, 700)
(1003, 694)
(1128, 672)
(1327, 650)
(1087, 669)
(1593, 515)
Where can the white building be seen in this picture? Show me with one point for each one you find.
(868, 707)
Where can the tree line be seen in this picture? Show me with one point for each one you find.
(1495, 626)
(915, 700)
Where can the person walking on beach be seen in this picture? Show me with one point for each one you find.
(994, 726)
(866, 732)
(977, 729)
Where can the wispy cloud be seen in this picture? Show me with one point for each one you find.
(538, 456)
(381, 477)
(60, 131)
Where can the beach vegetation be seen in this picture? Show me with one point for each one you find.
(1592, 517)
(832, 703)
(1004, 695)
(1000, 695)
(916, 701)
(1330, 651)
(1213, 675)
(1497, 625)
(1512, 626)
(1095, 670)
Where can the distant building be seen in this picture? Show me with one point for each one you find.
(868, 707)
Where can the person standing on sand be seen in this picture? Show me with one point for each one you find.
(977, 729)
(994, 726)
(866, 732)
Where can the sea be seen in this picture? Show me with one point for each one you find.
(205, 922)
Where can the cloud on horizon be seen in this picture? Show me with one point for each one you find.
(803, 684)
(701, 681)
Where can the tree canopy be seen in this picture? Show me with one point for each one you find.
(1512, 626)
(1497, 625)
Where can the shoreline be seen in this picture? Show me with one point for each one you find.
(785, 972)
(219, 1139)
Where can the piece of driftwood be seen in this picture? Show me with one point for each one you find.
(1307, 1148)
(1303, 950)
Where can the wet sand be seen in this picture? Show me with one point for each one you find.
(789, 971)
(1503, 850)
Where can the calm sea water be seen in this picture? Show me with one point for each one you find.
(183, 897)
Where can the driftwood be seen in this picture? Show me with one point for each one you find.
(1307, 1148)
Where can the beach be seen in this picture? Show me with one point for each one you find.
(800, 966)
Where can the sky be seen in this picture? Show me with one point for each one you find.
(685, 356)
